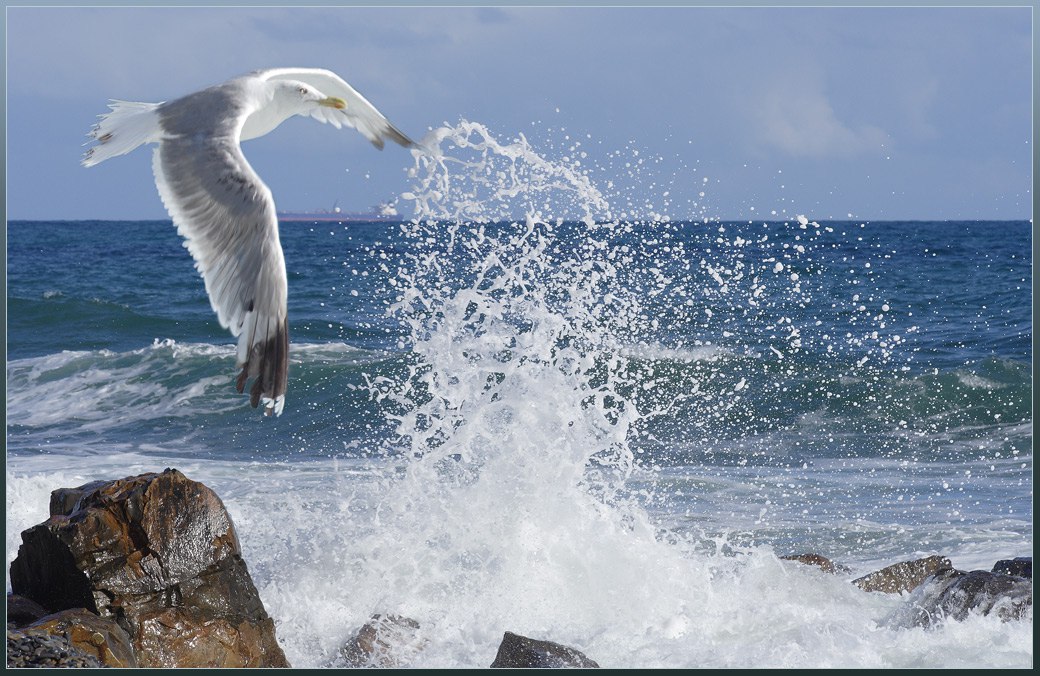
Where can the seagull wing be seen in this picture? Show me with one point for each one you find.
(227, 216)
(359, 113)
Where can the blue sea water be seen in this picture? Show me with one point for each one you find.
(602, 430)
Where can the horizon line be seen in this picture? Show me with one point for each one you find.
(355, 219)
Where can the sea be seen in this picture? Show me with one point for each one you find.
(543, 403)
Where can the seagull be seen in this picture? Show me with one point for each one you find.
(225, 213)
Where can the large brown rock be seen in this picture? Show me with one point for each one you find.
(902, 577)
(157, 553)
(521, 652)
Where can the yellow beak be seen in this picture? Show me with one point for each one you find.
(333, 102)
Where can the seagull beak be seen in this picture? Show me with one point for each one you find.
(333, 102)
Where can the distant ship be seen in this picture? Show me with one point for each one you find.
(379, 214)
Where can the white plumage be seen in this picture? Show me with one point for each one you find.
(219, 204)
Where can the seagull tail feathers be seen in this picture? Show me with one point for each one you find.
(268, 363)
(128, 125)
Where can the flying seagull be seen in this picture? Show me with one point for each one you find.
(219, 204)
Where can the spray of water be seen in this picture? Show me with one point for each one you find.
(514, 419)
(546, 336)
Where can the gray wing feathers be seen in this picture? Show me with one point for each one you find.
(227, 216)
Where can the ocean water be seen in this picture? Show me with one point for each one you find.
(533, 407)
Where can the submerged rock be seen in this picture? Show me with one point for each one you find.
(385, 641)
(821, 562)
(158, 554)
(520, 652)
(955, 594)
(1022, 566)
(902, 577)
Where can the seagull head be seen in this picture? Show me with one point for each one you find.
(304, 98)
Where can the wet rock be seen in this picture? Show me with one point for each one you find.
(22, 611)
(44, 650)
(64, 500)
(157, 553)
(821, 562)
(902, 577)
(385, 641)
(1022, 566)
(88, 633)
(955, 594)
(185, 636)
(520, 652)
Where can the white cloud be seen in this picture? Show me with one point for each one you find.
(800, 121)
(919, 104)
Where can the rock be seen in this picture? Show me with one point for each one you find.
(64, 500)
(46, 571)
(91, 634)
(817, 560)
(22, 611)
(1022, 566)
(44, 650)
(157, 553)
(385, 641)
(185, 636)
(955, 594)
(902, 577)
(520, 652)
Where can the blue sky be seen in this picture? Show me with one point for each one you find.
(877, 113)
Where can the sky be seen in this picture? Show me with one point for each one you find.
(863, 113)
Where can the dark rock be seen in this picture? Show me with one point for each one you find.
(46, 571)
(64, 500)
(97, 636)
(520, 652)
(44, 650)
(157, 553)
(821, 562)
(902, 577)
(955, 594)
(1022, 566)
(22, 611)
(385, 641)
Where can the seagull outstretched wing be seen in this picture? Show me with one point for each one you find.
(228, 220)
(359, 113)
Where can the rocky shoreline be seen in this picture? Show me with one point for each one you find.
(147, 571)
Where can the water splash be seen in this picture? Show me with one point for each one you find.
(464, 174)
(546, 338)
(519, 262)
